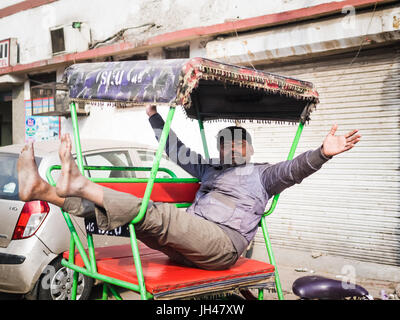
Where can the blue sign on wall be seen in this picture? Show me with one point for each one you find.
(40, 128)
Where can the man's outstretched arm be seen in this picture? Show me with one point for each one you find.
(282, 175)
(188, 160)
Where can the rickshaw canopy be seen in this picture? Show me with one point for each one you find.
(208, 90)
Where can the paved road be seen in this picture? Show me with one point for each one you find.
(288, 275)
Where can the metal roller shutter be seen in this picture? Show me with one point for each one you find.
(351, 207)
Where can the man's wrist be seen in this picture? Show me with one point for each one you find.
(156, 121)
(152, 114)
(316, 158)
(323, 153)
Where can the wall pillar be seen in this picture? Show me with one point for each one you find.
(18, 115)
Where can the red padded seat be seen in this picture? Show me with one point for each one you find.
(178, 192)
(166, 279)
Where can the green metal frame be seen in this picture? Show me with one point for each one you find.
(89, 259)
(263, 222)
(90, 269)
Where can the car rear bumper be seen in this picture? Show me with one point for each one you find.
(6, 258)
(21, 264)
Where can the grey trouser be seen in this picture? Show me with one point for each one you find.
(184, 237)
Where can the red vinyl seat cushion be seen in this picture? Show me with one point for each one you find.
(178, 192)
(163, 275)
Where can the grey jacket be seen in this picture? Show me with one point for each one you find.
(235, 197)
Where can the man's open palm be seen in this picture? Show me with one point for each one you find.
(334, 145)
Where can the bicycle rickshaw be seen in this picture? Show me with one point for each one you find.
(207, 90)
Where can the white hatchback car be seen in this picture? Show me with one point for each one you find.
(33, 235)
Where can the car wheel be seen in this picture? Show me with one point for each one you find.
(56, 283)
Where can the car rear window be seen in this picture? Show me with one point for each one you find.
(8, 175)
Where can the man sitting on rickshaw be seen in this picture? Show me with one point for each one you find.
(224, 216)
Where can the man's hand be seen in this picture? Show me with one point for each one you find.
(334, 145)
(151, 109)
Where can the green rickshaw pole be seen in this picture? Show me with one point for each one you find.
(267, 240)
(77, 139)
(260, 294)
(173, 178)
(203, 139)
(92, 256)
(74, 288)
(138, 263)
(115, 293)
(79, 158)
(290, 157)
(146, 199)
(104, 278)
(201, 126)
(271, 258)
(156, 163)
(105, 292)
(71, 257)
(295, 141)
(75, 241)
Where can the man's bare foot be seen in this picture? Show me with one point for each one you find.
(31, 185)
(71, 182)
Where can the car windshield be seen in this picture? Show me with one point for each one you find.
(8, 176)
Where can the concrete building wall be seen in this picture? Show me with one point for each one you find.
(7, 3)
(105, 18)
(295, 41)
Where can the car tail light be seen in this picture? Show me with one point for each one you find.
(32, 215)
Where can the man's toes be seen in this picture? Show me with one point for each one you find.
(30, 147)
(69, 145)
(24, 148)
(68, 142)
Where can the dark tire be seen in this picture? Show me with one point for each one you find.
(56, 283)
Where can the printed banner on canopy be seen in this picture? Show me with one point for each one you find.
(170, 81)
